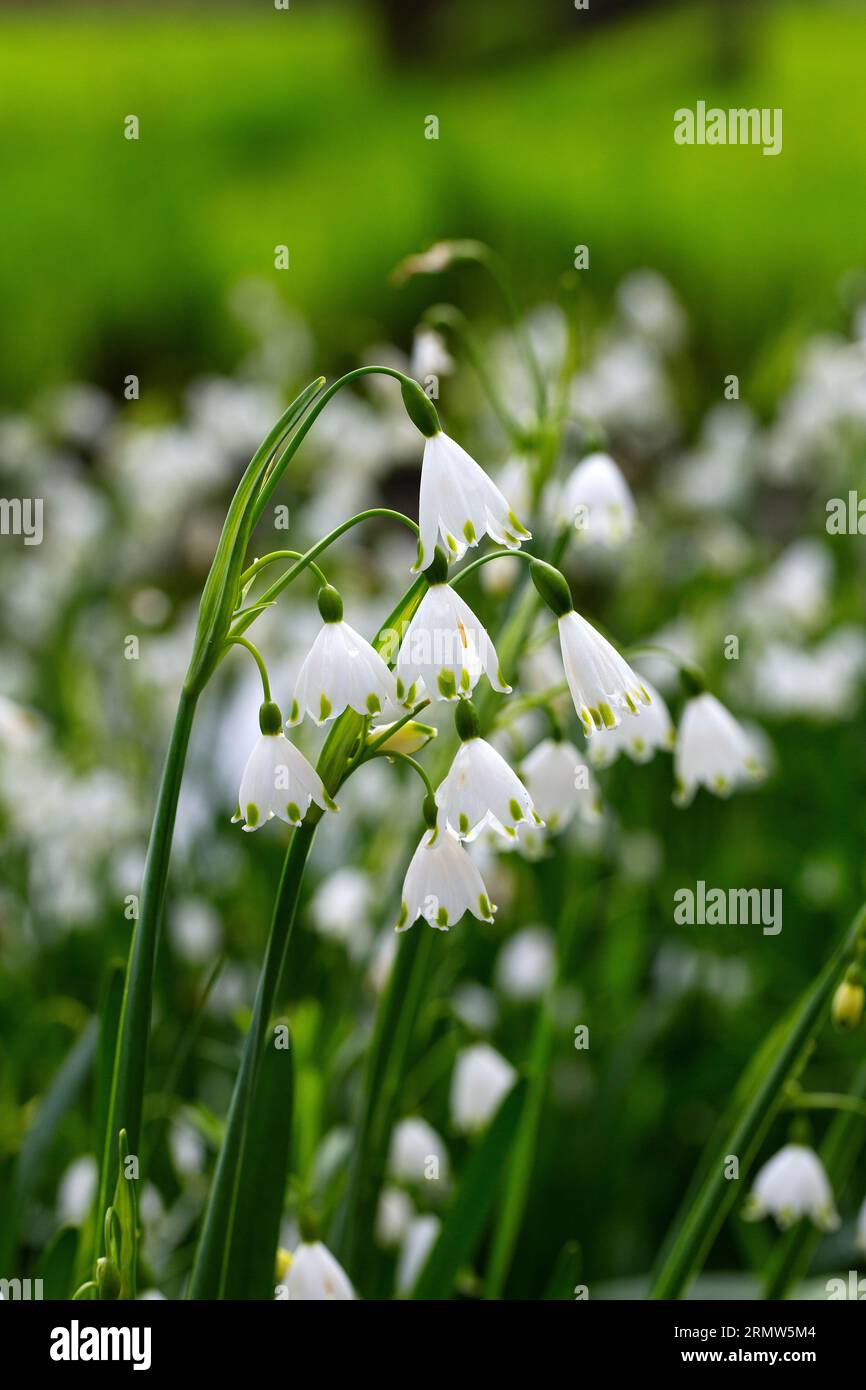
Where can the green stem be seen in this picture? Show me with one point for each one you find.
(270, 482)
(211, 1264)
(245, 618)
(824, 1100)
(257, 658)
(403, 758)
(367, 750)
(485, 560)
(130, 1059)
(258, 565)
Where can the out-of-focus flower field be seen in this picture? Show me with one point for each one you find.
(628, 1029)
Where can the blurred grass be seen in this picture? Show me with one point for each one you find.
(270, 127)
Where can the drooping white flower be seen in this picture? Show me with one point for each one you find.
(315, 1275)
(341, 670)
(480, 788)
(712, 750)
(603, 686)
(394, 1216)
(442, 884)
(416, 1153)
(793, 1184)
(638, 738)
(526, 965)
(459, 502)
(417, 1244)
(278, 781)
(481, 1079)
(430, 355)
(446, 647)
(560, 783)
(596, 500)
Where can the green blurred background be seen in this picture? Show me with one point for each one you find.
(306, 127)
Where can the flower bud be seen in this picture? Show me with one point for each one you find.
(330, 604)
(466, 720)
(552, 586)
(848, 1003)
(270, 718)
(419, 408)
(409, 738)
(107, 1279)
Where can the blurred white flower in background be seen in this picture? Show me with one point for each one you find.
(596, 500)
(394, 1216)
(712, 751)
(793, 1183)
(480, 1081)
(76, 1191)
(649, 306)
(417, 1244)
(341, 909)
(526, 965)
(475, 1006)
(417, 1153)
(196, 932)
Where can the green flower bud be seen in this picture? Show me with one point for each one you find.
(437, 571)
(848, 1004)
(466, 720)
(692, 681)
(330, 604)
(553, 587)
(270, 718)
(107, 1279)
(420, 408)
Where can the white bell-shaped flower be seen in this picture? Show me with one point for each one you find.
(596, 500)
(480, 788)
(560, 783)
(314, 1274)
(341, 671)
(480, 1081)
(278, 780)
(793, 1184)
(446, 648)
(460, 503)
(603, 686)
(639, 738)
(394, 1216)
(416, 1153)
(417, 1244)
(442, 883)
(712, 751)
(526, 965)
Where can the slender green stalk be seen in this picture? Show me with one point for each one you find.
(257, 566)
(458, 578)
(303, 430)
(403, 758)
(825, 1100)
(246, 616)
(257, 657)
(210, 1271)
(130, 1060)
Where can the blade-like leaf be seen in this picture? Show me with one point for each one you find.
(262, 1185)
(469, 1213)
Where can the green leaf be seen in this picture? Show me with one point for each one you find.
(469, 1213)
(756, 1102)
(56, 1265)
(126, 1210)
(262, 1180)
(58, 1099)
(221, 589)
(566, 1272)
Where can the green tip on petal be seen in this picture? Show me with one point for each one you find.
(325, 708)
